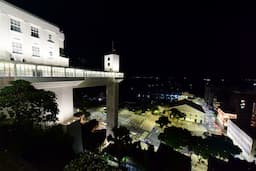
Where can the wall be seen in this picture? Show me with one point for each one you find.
(8, 11)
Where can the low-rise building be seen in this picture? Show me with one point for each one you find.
(194, 112)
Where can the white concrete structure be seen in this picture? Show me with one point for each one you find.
(194, 112)
(31, 49)
(246, 142)
(27, 38)
(111, 62)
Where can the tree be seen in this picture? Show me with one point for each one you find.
(221, 146)
(212, 145)
(22, 102)
(175, 137)
(177, 114)
(89, 161)
(163, 121)
(121, 143)
(155, 110)
(122, 134)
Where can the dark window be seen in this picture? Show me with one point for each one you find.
(50, 38)
(15, 25)
(62, 52)
(34, 32)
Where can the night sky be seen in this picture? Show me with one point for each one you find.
(156, 38)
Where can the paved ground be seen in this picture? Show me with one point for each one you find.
(143, 128)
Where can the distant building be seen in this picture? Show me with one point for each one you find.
(194, 112)
(30, 39)
(245, 107)
(230, 101)
(186, 95)
(244, 137)
(223, 118)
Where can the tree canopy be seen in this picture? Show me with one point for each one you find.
(177, 114)
(175, 137)
(211, 145)
(22, 102)
(89, 161)
(163, 121)
(120, 143)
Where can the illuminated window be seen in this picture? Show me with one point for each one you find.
(15, 25)
(34, 32)
(242, 104)
(16, 48)
(35, 51)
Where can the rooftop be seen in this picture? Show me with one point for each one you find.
(246, 128)
(188, 102)
(27, 12)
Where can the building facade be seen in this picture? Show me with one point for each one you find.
(32, 49)
(194, 112)
(27, 38)
(244, 138)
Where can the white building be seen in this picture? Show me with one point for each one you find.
(27, 38)
(241, 138)
(32, 49)
(194, 112)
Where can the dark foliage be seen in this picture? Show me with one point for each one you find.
(211, 145)
(48, 148)
(92, 139)
(22, 102)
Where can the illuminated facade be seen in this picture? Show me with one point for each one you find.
(245, 141)
(111, 62)
(32, 49)
(27, 38)
(194, 112)
(223, 117)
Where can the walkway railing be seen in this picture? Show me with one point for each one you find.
(11, 69)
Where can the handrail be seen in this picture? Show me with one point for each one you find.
(10, 69)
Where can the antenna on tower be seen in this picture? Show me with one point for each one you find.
(113, 46)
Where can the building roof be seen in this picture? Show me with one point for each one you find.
(29, 13)
(251, 131)
(188, 102)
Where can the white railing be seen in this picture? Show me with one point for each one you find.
(9, 69)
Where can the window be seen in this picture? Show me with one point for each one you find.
(35, 51)
(108, 64)
(15, 25)
(62, 52)
(50, 38)
(34, 32)
(16, 48)
(242, 104)
(50, 53)
(108, 59)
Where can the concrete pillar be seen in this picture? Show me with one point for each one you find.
(112, 93)
(65, 102)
